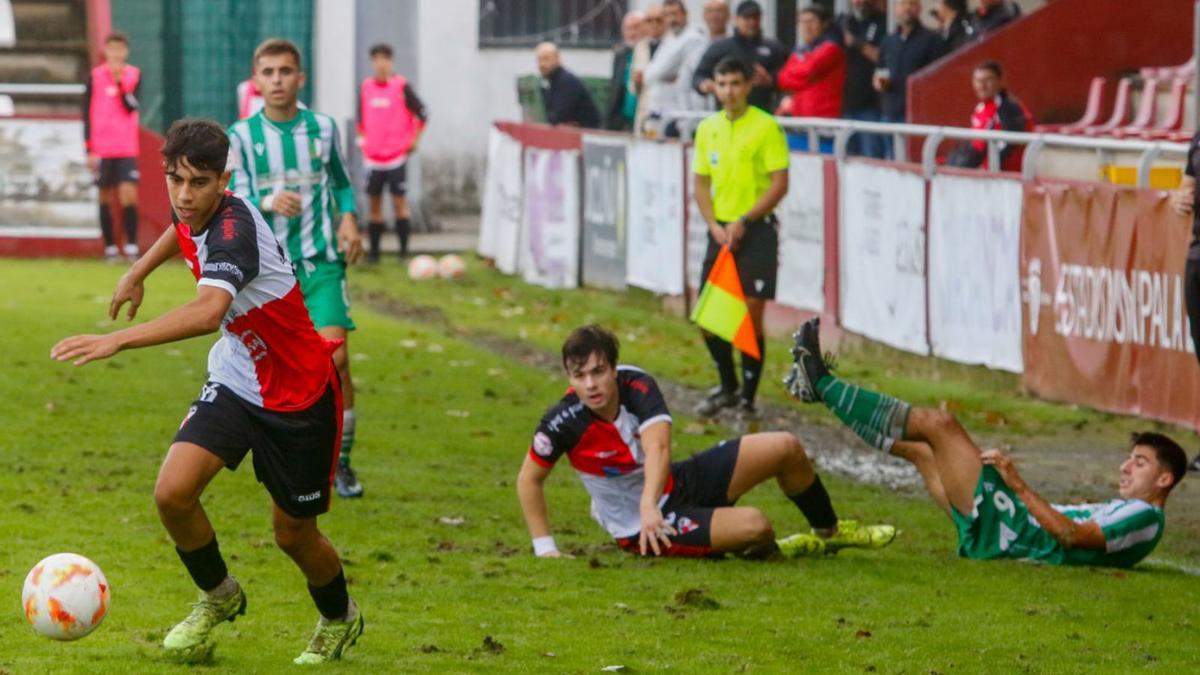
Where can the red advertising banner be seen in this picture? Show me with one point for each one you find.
(1103, 318)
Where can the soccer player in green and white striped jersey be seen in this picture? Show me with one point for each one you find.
(996, 512)
(287, 161)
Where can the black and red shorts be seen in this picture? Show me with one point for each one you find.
(701, 487)
(395, 179)
(757, 258)
(294, 452)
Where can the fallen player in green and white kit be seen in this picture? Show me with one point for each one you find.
(996, 512)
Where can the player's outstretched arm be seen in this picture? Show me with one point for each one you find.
(129, 288)
(655, 533)
(1064, 530)
(532, 496)
(199, 317)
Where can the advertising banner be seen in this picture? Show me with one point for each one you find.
(801, 282)
(1104, 322)
(697, 230)
(550, 231)
(882, 254)
(974, 284)
(46, 188)
(654, 251)
(605, 210)
(500, 221)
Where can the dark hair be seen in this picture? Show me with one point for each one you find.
(201, 141)
(993, 66)
(675, 3)
(117, 36)
(381, 49)
(587, 340)
(730, 65)
(276, 46)
(817, 11)
(959, 6)
(1167, 451)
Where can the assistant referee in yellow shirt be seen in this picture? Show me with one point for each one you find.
(741, 172)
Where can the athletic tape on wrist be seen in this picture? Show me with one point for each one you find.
(544, 545)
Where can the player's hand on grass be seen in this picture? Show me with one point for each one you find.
(129, 290)
(83, 348)
(655, 532)
(1182, 200)
(350, 239)
(1004, 465)
(734, 233)
(286, 204)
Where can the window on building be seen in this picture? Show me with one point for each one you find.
(570, 23)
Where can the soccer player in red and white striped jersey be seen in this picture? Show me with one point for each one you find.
(272, 388)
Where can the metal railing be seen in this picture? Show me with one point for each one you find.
(841, 130)
(41, 89)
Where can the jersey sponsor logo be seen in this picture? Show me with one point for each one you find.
(713, 158)
(227, 230)
(225, 267)
(381, 102)
(208, 393)
(191, 411)
(254, 344)
(764, 50)
(686, 525)
(640, 386)
(310, 497)
(112, 90)
(605, 454)
(259, 148)
(542, 444)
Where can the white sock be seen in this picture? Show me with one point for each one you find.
(224, 590)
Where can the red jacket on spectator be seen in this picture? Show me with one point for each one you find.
(814, 78)
(1005, 113)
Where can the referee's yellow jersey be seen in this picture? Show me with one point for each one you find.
(739, 156)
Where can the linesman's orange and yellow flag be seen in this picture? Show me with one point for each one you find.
(721, 309)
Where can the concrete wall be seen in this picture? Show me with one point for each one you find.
(333, 63)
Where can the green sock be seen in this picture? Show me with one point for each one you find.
(877, 418)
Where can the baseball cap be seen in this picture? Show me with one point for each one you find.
(749, 8)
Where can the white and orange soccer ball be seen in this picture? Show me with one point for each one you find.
(422, 267)
(65, 596)
(451, 266)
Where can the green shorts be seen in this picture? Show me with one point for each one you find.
(1001, 526)
(323, 284)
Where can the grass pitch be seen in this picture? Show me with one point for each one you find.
(437, 553)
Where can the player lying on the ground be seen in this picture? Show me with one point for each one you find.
(614, 427)
(996, 512)
(272, 387)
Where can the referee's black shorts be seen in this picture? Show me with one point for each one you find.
(757, 258)
(294, 452)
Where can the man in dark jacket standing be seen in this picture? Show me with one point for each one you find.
(909, 49)
(863, 30)
(566, 99)
(993, 14)
(957, 29)
(622, 96)
(764, 55)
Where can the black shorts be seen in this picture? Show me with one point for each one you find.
(116, 170)
(701, 487)
(396, 180)
(757, 258)
(294, 452)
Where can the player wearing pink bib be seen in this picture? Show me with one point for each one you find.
(110, 132)
(390, 121)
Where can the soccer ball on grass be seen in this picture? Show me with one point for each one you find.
(65, 596)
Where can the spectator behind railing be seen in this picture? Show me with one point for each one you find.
(863, 29)
(667, 79)
(763, 55)
(566, 99)
(997, 110)
(716, 24)
(993, 14)
(1184, 202)
(656, 30)
(904, 52)
(957, 28)
(622, 96)
(814, 75)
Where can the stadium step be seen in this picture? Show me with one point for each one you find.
(41, 67)
(51, 48)
(48, 20)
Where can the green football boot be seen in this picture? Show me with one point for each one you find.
(188, 640)
(331, 639)
(850, 534)
(801, 545)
